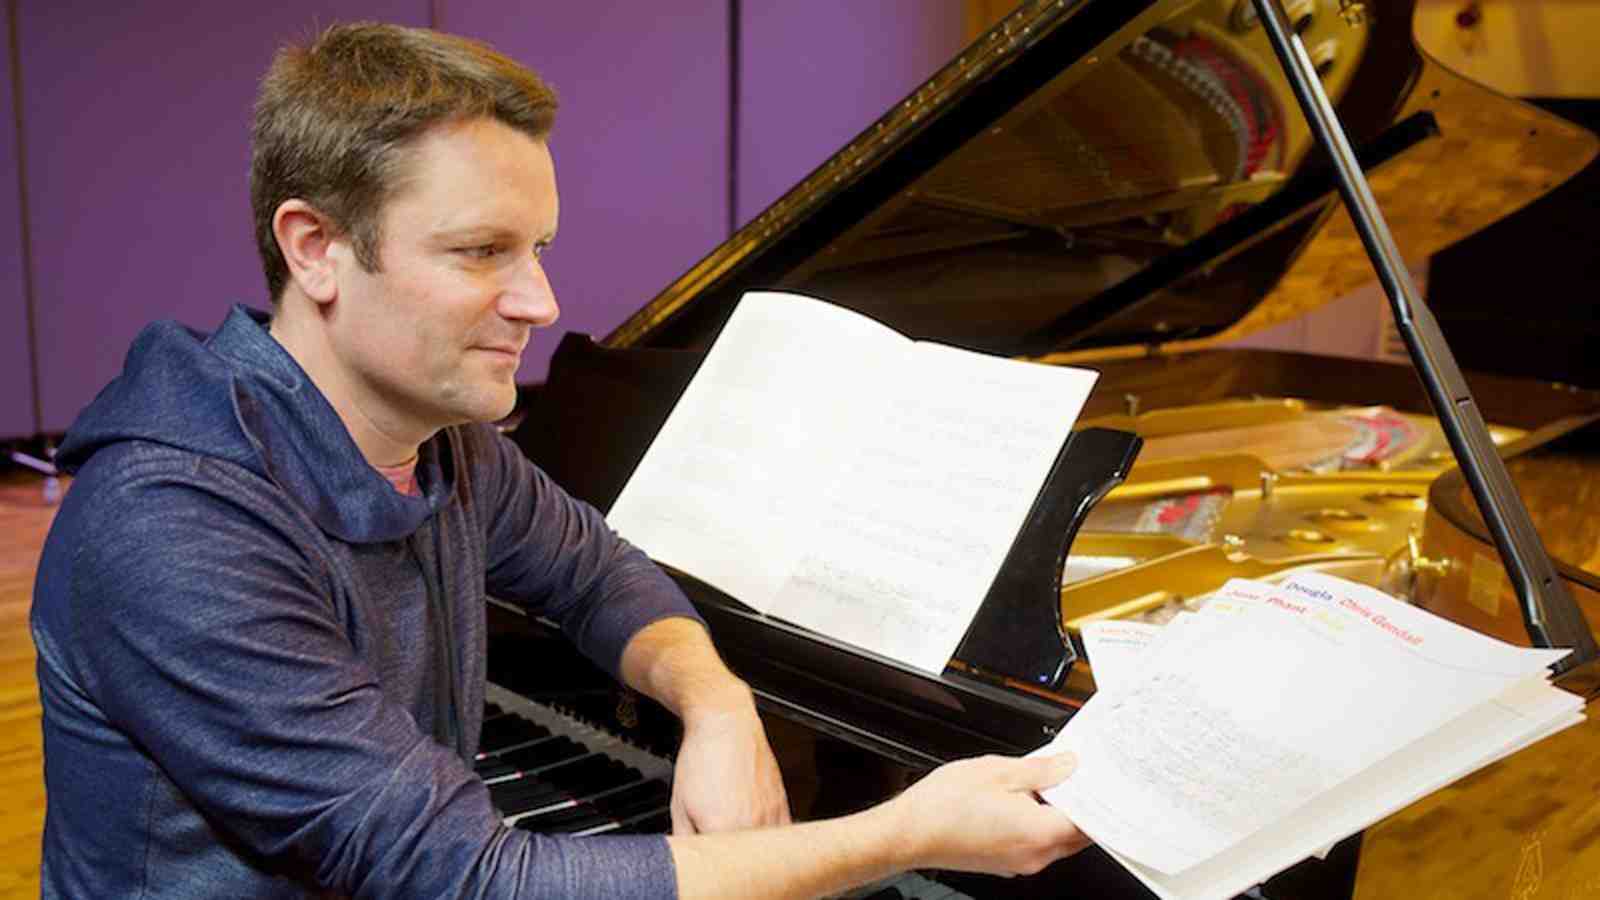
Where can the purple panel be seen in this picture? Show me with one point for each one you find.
(16, 369)
(813, 75)
(640, 144)
(136, 127)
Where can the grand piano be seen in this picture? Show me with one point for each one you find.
(1128, 185)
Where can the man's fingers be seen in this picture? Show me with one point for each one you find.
(681, 823)
(1036, 773)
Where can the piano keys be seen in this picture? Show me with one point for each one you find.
(549, 772)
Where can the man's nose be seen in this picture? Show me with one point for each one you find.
(529, 297)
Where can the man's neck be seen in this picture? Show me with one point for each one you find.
(381, 441)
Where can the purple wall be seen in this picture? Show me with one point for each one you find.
(640, 144)
(136, 128)
(813, 75)
(16, 370)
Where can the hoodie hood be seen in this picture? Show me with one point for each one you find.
(238, 396)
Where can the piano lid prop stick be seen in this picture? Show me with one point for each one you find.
(1552, 617)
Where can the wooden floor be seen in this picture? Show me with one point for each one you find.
(24, 518)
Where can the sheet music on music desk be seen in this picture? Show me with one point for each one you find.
(1288, 718)
(829, 471)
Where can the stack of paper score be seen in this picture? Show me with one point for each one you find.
(1238, 740)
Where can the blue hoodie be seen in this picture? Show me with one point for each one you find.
(262, 668)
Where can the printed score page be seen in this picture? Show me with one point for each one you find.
(728, 490)
(1254, 713)
(1116, 650)
(921, 518)
(1526, 713)
(869, 491)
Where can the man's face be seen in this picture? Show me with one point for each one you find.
(435, 337)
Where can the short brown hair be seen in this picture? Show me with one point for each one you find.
(333, 120)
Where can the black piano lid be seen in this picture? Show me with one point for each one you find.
(1081, 143)
(1077, 147)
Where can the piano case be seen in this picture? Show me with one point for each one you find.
(1016, 640)
(1126, 185)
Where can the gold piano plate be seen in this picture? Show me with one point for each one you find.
(1340, 490)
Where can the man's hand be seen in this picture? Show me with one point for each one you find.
(978, 815)
(726, 776)
(984, 815)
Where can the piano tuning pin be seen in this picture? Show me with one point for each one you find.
(1354, 12)
(628, 710)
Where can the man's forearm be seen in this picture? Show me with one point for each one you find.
(673, 662)
(726, 776)
(812, 859)
(727, 782)
(1002, 829)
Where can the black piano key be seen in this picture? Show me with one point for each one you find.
(536, 756)
(508, 732)
(570, 779)
(608, 811)
(599, 790)
(602, 807)
(499, 765)
(626, 825)
(659, 823)
(565, 821)
(591, 777)
(491, 769)
(519, 795)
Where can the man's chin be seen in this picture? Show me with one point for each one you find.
(498, 409)
(489, 404)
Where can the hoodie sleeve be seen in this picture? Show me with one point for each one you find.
(208, 634)
(556, 555)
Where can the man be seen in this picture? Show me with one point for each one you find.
(259, 614)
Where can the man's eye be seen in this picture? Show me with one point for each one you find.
(540, 248)
(483, 251)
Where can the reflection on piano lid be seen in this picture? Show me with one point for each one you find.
(1126, 184)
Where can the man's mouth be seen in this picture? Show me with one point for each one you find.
(509, 350)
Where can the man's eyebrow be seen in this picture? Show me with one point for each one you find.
(474, 232)
(486, 233)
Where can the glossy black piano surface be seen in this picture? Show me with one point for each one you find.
(1126, 185)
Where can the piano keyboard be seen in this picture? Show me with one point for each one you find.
(549, 772)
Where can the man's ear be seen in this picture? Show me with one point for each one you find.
(306, 240)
